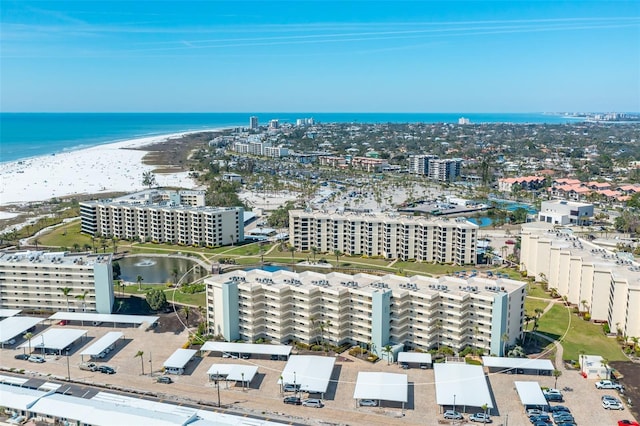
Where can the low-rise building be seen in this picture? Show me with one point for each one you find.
(362, 309)
(38, 281)
(563, 212)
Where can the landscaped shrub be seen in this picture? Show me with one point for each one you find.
(605, 328)
(317, 348)
(587, 316)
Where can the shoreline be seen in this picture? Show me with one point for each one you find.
(109, 167)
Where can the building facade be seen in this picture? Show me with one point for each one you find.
(32, 281)
(254, 124)
(402, 237)
(596, 280)
(562, 212)
(419, 164)
(362, 309)
(445, 169)
(132, 217)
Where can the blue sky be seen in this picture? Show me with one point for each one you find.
(320, 56)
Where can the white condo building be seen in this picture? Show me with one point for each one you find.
(417, 312)
(177, 217)
(562, 212)
(608, 282)
(31, 281)
(445, 169)
(402, 237)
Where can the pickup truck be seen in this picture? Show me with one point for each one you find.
(88, 366)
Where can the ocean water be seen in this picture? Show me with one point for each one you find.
(25, 135)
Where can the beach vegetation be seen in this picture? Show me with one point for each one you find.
(156, 298)
(148, 179)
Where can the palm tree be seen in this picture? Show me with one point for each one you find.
(556, 374)
(387, 350)
(36, 242)
(185, 310)
(139, 280)
(76, 247)
(313, 326)
(65, 291)
(148, 179)
(292, 250)
(28, 336)
(605, 362)
(585, 305)
(314, 250)
(262, 254)
(174, 273)
(114, 241)
(140, 354)
(337, 254)
(93, 243)
(485, 407)
(86, 246)
(82, 297)
(505, 340)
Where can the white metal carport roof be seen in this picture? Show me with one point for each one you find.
(113, 318)
(466, 383)
(530, 393)
(311, 372)
(234, 372)
(529, 363)
(179, 358)
(17, 398)
(247, 348)
(381, 386)
(5, 313)
(417, 357)
(55, 338)
(105, 341)
(14, 326)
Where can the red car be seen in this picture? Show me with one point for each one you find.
(63, 322)
(510, 242)
(627, 423)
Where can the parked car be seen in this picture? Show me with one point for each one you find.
(551, 391)
(480, 418)
(608, 384)
(368, 403)
(88, 366)
(554, 397)
(452, 415)
(63, 322)
(535, 412)
(609, 398)
(628, 423)
(105, 369)
(23, 357)
(423, 366)
(541, 418)
(559, 408)
(35, 358)
(608, 404)
(312, 403)
(293, 400)
(288, 387)
(563, 418)
(164, 379)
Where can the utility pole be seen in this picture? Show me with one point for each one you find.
(68, 368)
(217, 382)
(150, 365)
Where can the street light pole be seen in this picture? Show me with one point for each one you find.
(68, 368)
(150, 365)
(454, 402)
(218, 386)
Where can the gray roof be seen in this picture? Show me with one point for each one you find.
(179, 358)
(105, 341)
(530, 393)
(530, 363)
(247, 348)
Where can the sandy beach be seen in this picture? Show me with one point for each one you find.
(100, 169)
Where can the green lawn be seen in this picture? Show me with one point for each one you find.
(536, 290)
(429, 268)
(65, 236)
(198, 299)
(581, 335)
(530, 305)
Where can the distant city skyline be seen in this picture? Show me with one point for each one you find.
(360, 56)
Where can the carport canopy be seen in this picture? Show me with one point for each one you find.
(415, 357)
(530, 394)
(461, 384)
(15, 326)
(6, 313)
(311, 372)
(233, 372)
(105, 341)
(247, 348)
(381, 386)
(179, 358)
(112, 318)
(515, 363)
(55, 338)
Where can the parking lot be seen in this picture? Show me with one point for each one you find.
(264, 396)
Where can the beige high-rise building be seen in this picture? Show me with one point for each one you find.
(417, 312)
(402, 237)
(32, 281)
(597, 280)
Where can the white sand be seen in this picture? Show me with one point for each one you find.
(103, 168)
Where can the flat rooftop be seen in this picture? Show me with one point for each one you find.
(54, 338)
(15, 326)
(44, 258)
(388, 218)
(337, 282)
(5, 313)
(618, 263)
(112, 318)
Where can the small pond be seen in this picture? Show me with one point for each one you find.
(155, 270)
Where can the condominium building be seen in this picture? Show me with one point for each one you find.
(34, 281)
(562, 212)
(139, 217)
(389, 236)
(597, 280)
(419, 164)
(417, 312)
(253, 122)
(445, 169)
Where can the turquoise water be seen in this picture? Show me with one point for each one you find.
(482, 222)
(25, 135)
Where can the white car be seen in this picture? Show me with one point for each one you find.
(609, 404)
(35, 358)
(480, 417)
(452, 415)
(608, 384)
(368, 403)
(312, 403)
